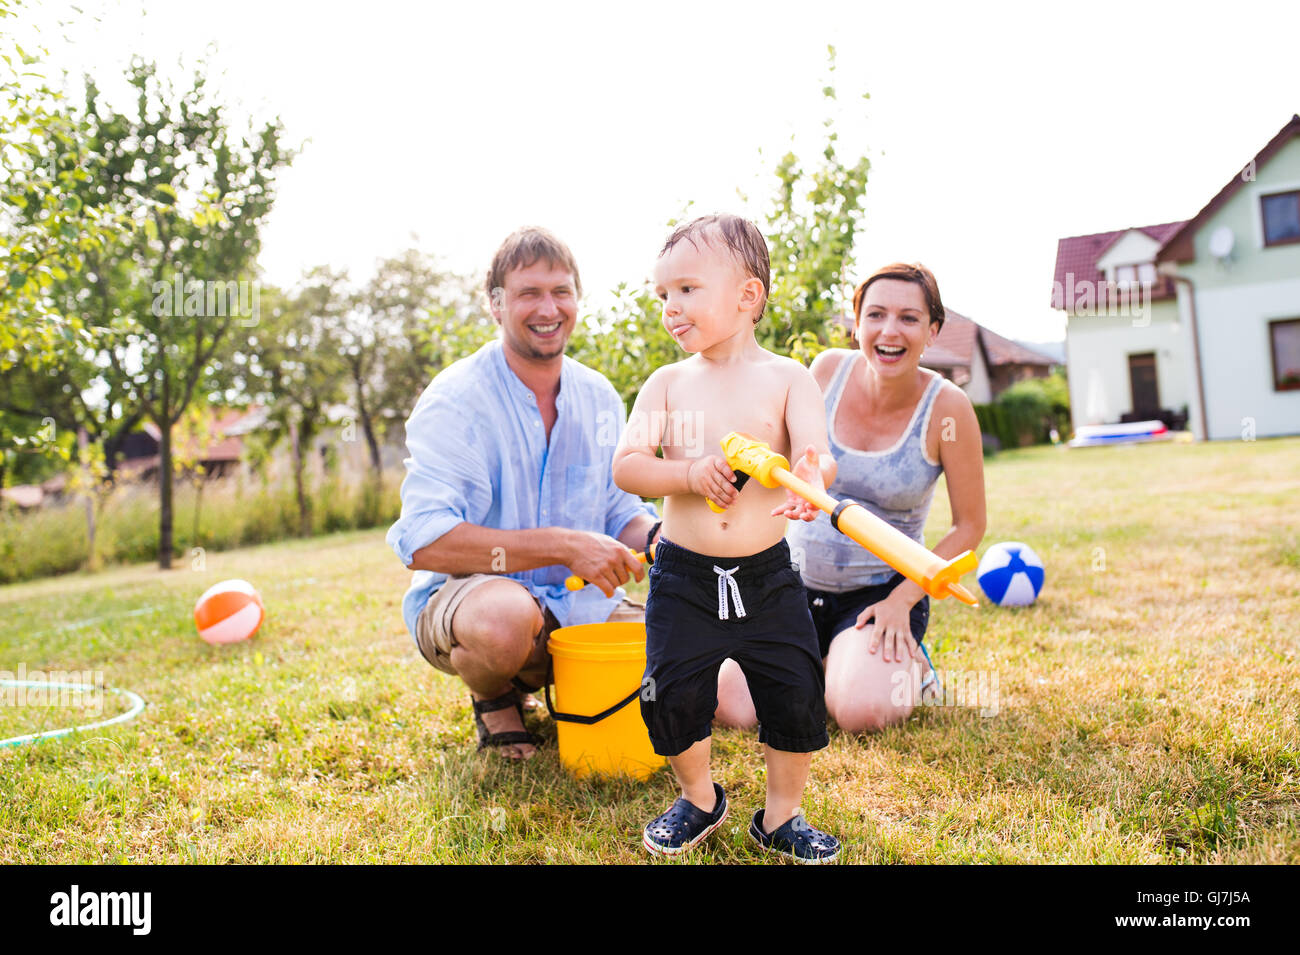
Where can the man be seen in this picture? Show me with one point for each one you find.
(509, 491)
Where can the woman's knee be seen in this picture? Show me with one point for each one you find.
(864, 714)
(735, 706)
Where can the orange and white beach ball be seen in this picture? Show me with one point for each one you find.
(229, 612)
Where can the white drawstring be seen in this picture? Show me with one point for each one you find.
(725, 578)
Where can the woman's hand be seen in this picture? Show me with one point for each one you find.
(893, 629)
(809, 469)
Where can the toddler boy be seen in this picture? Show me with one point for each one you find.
(721, 584)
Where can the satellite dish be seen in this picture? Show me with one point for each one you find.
(1221, 242)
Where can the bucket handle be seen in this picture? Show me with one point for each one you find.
(573, 717)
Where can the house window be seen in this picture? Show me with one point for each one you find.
(1143, 274)
(1284, 336)
(1281, 212)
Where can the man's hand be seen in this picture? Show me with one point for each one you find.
(601, 560)
(713, 478)
(809, 469)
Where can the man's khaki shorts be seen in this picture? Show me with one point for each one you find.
(435, 633)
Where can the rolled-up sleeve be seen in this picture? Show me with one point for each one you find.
(447, 481)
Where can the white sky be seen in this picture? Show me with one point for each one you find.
(993, 130)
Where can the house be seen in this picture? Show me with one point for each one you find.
(1196, 320)
(1125, 350)
(140, 450)
(978, 360)
(338, 443)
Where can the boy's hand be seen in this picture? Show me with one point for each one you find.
(808, 468)
(711, 477)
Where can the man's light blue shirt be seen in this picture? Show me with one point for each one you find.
(479, 454)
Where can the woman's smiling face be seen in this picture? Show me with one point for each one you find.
(894, 326)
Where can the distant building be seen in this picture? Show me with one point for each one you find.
(980, 361)
(1196, 320)
(139, 454)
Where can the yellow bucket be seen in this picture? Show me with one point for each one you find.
(598, 672)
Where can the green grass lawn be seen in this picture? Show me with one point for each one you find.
(1147, 704)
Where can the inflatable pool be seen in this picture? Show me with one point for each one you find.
(1135, 432)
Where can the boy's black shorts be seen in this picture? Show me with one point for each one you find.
(694, 622)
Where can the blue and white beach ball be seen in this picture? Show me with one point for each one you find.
(1010, 574)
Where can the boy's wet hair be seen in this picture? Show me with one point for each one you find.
(522, 248)
(917, 274)
(741, 237)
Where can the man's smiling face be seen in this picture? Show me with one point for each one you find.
(537, 310)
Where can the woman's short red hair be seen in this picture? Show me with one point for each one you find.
(916, 274)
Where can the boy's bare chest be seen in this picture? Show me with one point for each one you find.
(716, 406)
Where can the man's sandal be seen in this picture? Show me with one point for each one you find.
(506, 737)
(526, 698)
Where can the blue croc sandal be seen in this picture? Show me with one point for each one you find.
(683, 826)
(797, 840)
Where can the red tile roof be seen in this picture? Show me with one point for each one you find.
(1003, 351)
(955, 346)
(1077, 256)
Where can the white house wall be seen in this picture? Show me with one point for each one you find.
(1236, 359)
(1097, 349)
(978, 389)
(1236, 301)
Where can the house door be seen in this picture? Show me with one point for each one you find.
(1142, 382)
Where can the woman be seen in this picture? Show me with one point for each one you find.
(894, 427)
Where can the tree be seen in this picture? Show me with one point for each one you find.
(812, 222)
(811, 226)
(433, 317)
(47, 226)
(293, 364)
(401, 332)
(158, 301)
(627, 342)
(46, 223)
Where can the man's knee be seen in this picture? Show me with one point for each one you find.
(498, 622)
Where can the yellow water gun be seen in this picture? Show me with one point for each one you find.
(751, 457)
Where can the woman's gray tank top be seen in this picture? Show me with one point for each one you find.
(896, 485)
